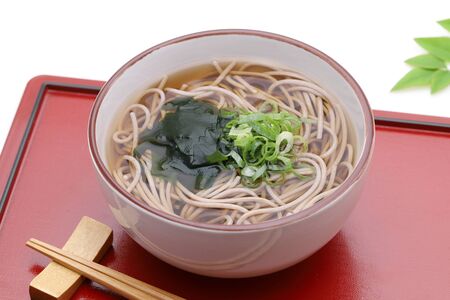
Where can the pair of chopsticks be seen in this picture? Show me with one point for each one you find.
(120, 283)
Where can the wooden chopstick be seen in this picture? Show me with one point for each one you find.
(120, 283)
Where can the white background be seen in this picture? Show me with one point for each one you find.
(91, 39)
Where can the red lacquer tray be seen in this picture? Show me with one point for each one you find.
(395, 245)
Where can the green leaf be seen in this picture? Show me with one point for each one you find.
(440, 80)
(438, 46)
(415, 77)
(445, 23)
(426, 61)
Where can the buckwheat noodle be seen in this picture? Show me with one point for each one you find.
(328, 161)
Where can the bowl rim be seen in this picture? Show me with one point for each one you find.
(358, 172)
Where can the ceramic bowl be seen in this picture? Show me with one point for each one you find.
(238, 250)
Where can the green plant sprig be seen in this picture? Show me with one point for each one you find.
(429, 69)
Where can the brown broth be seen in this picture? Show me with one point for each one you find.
(176, 80)
(200, 72)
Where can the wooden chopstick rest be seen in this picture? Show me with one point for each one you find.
(124, 285)
(90, 240)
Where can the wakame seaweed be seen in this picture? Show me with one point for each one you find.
(195, 141)
(184, 139)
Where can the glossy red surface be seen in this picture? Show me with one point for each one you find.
(395, 245)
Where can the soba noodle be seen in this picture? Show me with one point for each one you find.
(327, 162)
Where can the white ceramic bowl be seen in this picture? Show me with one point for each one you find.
(238, 250)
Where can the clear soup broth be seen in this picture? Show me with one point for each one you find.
(232, 143)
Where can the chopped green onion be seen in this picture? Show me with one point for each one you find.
(259, 172)
(284, 136)
(216, 157)
(237, 158)
(261, 143)
(248, 171)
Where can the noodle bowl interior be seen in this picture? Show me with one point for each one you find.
(232, 143)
